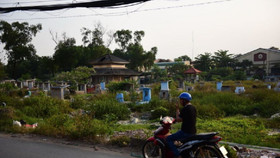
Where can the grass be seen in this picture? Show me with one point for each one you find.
(228, 113)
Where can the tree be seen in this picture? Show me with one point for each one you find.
(123, 38)
(17, 38)
(2, 71)
(79, 75)
(94, 45)
(183, 58)
(177, 71)
(134, 52)
(66, 55)
(203, 62)
(223, 59)
(158, 74)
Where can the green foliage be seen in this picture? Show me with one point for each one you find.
(80, 101)
(100, 108)
(160, 111)
(208, 111)
(119, 86)
(121, 141)
(134, 51)
(2, 71)
(17, 38)
(239, 129)
(78, 75)
(78, 127)
(43, 106)
(231, 152)
(7, 87)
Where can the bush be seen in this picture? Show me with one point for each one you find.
(80, 101)
(79, 127)
(43, 106)
(231, 152)
(160, 111)
(121, 141)
(208, 111)
(100, 108)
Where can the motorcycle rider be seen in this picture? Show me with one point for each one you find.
(187, 116)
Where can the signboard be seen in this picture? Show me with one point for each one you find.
(260, 57)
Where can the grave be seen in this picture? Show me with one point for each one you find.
(219, 85)
(225, 88)
(147, 95)
(120, 97)
(58, 92)
(164, 91)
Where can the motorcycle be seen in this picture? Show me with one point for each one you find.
(204, 145)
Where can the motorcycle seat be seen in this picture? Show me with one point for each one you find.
(200, 136)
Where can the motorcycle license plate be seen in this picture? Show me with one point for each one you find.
(223, 151)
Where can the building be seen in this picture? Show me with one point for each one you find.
(266, 59)
(111, 68)
(164, 65)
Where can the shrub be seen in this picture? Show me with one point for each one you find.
(121, 141)
(109, 106)
(231, 152)
(80, 101)
(208, 111)
(79, 127)
(44, 106)
(160, 111)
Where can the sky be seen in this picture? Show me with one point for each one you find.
(175, 27)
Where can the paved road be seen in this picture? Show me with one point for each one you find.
(21, 148)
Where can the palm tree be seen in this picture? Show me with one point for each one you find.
(223, 59)
(203, 62)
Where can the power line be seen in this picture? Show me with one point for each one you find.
(97, 4)
(28, 2)
(125, 13)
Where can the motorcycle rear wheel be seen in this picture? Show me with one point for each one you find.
(207, 152)
(150, 150)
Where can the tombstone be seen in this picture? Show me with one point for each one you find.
(189, 88)
(277, 88)
(201, 84)
(164, 92)
(219, 86)
(239, 90)
(41, 86)
(29, 93)
(82, 88)
(25, 84)
(268, 86)
(30, 84)
(120, 97)
(102, 86)
(164, 86)
(19, 84)
(47, 86)
(147, 95)
(58, 92)
(182, 84)
(225, 88)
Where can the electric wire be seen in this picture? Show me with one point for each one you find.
(124, 12)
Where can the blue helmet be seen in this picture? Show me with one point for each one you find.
(186, 96)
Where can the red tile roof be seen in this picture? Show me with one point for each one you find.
(192, 71)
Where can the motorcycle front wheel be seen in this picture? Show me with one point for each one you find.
(150, 150)
(207, 152)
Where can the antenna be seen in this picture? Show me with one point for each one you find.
(192, 45)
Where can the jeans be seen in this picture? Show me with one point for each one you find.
(180, 135)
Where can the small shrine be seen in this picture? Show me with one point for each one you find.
(192, 74)
(111, 68)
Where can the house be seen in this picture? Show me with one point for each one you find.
(268, 60)
(164, 65)
(111, 68)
